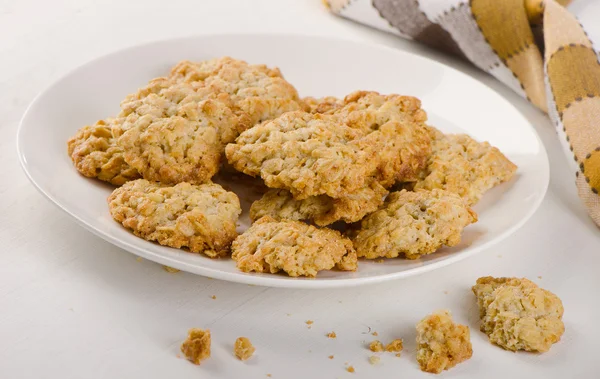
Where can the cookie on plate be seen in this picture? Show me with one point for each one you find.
(412, 224)
(185, 147)
(442, 344)
(516, 314)
(308, 154)
(294, 247)
(462, 165)
(201, 218)
(95, 154)
(259, 91)
(322, 210)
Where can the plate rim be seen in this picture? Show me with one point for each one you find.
(260, 279)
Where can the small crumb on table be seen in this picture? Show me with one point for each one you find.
(139, 259)
(350, 369)
(375, 334)
(373, 359)
(213, 297)
(395, 346)
(196, 347)
(170, 269)
(330, 357)
(331, 335)
(243, 348)
(376, 346)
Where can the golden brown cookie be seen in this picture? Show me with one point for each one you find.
(259, 91)
(243, 348)
(516, 314)
(196, 347)
(200, 217)
(308, 154)
(322, 210)
(185, 147)
(294, 247)
(95, 154)
(442, 344)
(413, 224)
(327, 105)
(464, 166)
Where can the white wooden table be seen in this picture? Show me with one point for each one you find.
(74, 306)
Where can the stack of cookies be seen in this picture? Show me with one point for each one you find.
(368, 163)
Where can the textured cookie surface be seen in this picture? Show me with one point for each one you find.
(327, 105)
(322, 209)
(442, 344)
(200, 217)
(259, 91)
(308, 154)
(185, 147)
(294, 247)
(516, 314)
(95, 154)
(196, 347)
(464, 166)
(413, 224)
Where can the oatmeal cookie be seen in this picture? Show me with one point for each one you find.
(185, 147)
(200, 217)
(516, 314)
(442, 344)
(308, 154)
(293, 247)
(413, 224)
(322, 210)
(464, 166)
(196, 347)
(259, 91)
(400, 121)
(95, 154)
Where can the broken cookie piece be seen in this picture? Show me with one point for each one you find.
(442, 344)
(294, 247)
(462, 165)
(516, 314)
(413, 224)
(196, 347)
(200, 217)
(95, 154)
(243, 348)
(395, 346)
(322, 210)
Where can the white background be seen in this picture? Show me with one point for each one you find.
(74, 306)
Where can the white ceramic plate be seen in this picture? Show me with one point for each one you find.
(317, 67)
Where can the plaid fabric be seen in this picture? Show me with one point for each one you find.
(536, 47)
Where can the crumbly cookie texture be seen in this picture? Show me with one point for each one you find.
(516, 314)
(95, 154)
(413, 224)
(442, 344)
(376, 346)
(186, 147)
(462, 165)
(294, 247)
(395, 346)
(308, 154)
(327, 105)
(243, 348)
(196, 347)
(322, 210)
(257, 90)
(200, 217)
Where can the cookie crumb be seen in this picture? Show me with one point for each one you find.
(171, 269)
(445, 292)
(268, 375)
(214, 297)
(196, 347)
(139, 259)
(288, 314)
(350, 369)
(330, 357)
(395, 346)
(540, 277)
(380, 261)
(331, 335)
(309, 323)
(373, 359)
(375, 334)
(398, 355)
(243, 348)
(376, 346)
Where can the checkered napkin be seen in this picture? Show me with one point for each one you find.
(536, 47)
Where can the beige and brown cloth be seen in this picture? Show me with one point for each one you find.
(536, 47)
